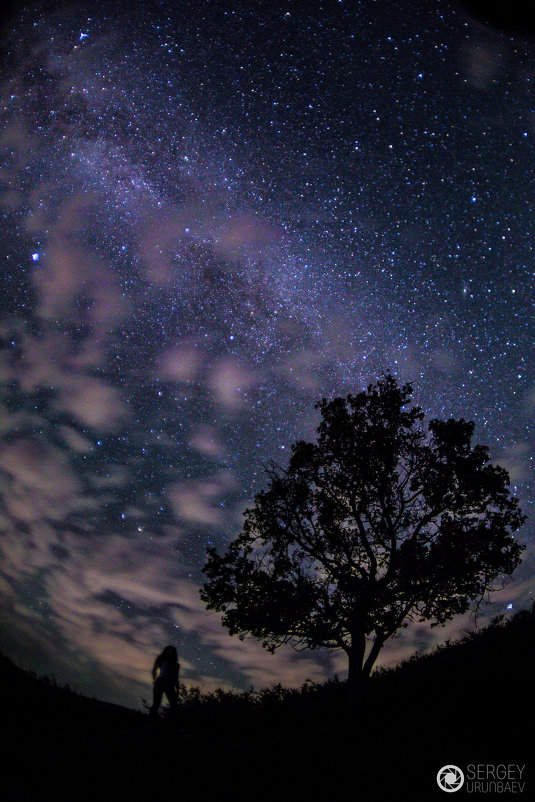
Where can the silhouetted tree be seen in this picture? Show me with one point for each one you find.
(379, 522)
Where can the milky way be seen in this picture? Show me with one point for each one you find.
(214, 215)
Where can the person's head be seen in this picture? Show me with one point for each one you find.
(170, 653)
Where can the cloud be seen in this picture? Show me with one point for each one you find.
(75, 441)
(42, 486)
(299, 369)
(248, 657)
(176, 241)
(515, 460)
(244, 235)
(199, 501)
(206, 440)
(51, 361)
(124, 643)
(529, 403)
(285, 666)
(482, 60)
(42, 362)
(181, 363)
(123, 646)
(164, 239)
(444, 361)
(26, 551)
(75, 285)
(94, 403)
(231, 383)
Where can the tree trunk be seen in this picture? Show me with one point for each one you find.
(377, 645)
(360, 668)
(356, 678)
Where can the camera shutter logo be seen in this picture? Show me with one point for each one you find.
(450, 778)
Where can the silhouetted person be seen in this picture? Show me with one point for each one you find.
(165, 675)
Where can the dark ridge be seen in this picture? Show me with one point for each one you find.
(465, 702)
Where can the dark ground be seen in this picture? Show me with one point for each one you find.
(471, 702)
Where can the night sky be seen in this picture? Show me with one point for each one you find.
(213, 215)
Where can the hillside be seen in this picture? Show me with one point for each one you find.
(464, 703)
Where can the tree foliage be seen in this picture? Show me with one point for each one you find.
(381, 521)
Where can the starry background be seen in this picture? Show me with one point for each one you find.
(213, 215)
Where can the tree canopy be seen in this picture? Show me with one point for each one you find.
(381, 521)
